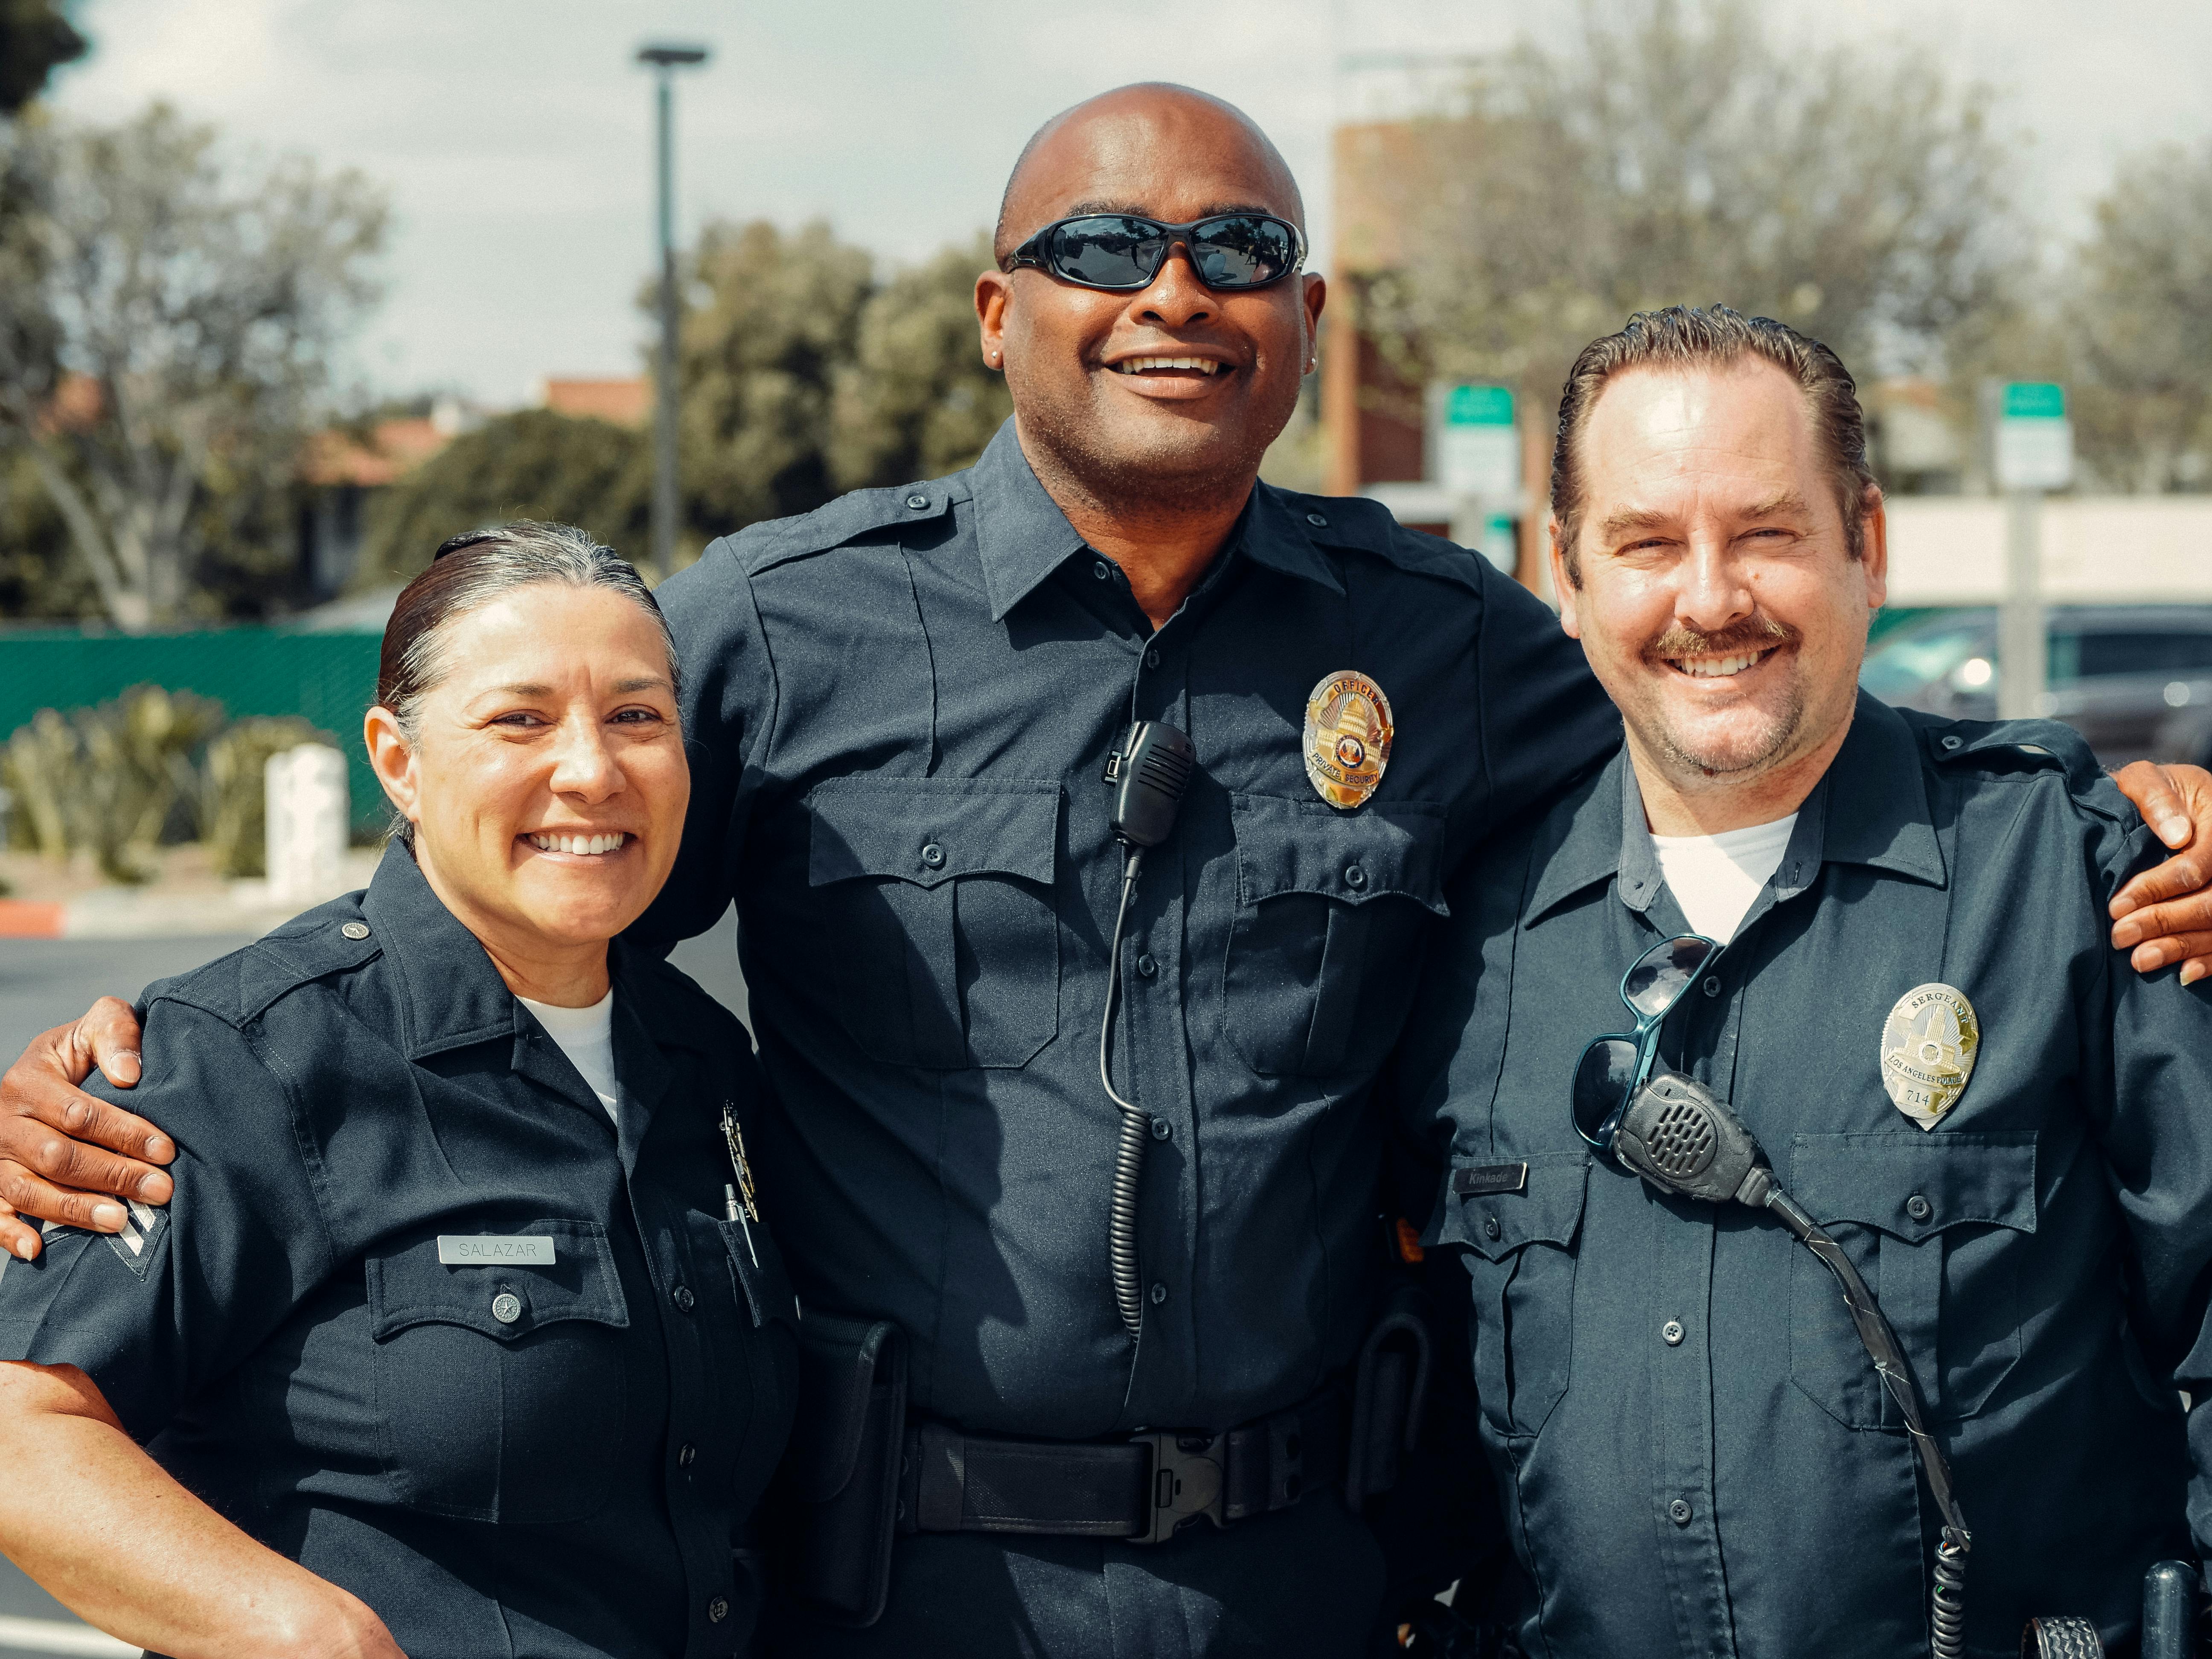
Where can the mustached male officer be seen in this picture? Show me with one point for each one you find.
(900, 706)
(1916, 1012)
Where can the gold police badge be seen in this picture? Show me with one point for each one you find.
(1927, 1048)
(1348, 733)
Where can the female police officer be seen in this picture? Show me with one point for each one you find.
(460, 1336)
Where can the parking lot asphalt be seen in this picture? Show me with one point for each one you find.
(45, 982)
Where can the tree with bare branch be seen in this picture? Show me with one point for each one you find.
(165, 319)
(1678, 153)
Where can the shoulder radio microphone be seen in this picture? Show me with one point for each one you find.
(1149, 773)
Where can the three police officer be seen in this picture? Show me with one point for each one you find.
(899, 707)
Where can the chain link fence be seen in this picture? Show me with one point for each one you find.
(326, 679)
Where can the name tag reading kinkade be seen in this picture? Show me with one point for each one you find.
(458, 1251)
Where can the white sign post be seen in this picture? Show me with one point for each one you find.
(1477, 457)
(2033, 452)
(307, 810)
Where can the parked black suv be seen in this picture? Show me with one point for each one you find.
(2136, 680)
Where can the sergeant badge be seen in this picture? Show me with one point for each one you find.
(1347, 737)
(1927, 1048)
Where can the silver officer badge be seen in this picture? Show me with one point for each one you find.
(1927, 1048)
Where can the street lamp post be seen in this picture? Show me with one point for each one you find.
(666, 60)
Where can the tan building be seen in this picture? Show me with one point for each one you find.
(1381, 436)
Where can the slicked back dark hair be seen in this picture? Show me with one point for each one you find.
(470, 571)
(1683, 336)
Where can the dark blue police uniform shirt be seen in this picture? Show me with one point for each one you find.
(1694, 1452)
(561, 1475)
(899, 707)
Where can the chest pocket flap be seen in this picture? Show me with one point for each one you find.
(932, 830)
(1333, 914)
(1523, 1266)
(1914, 1186)
(413, 1287)
(502, 1391)
(1934, 1222)
(1309, 846)
(939, 945)
(1547, 1209)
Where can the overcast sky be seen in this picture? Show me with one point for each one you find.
(514, 136)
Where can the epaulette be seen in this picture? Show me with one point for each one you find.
(238, 988)
(2000, 746)
(861, 513)
(1356, 523)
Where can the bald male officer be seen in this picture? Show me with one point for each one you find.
(1918, 1013)
(901, 707)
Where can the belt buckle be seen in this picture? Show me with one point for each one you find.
(1189, 1478)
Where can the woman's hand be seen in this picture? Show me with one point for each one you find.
(187, 1583)
(351, 1632)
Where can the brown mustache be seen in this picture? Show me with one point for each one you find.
(1753, 633)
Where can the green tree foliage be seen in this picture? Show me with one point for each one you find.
(35, 39)
(917, 401)
(194, 308)
(2138, 314)
(772, 319)
(531, 464)
(1676, 154)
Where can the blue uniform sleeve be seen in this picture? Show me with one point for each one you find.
(1545, 720)
(2156, 1133)
(157, 1315)
(728, 708)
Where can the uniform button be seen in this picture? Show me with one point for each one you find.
(1146, 966)
(933, 856)
(1671, 1333)
(506, 1306)
(1316, 519)
(1712, 985)
(917, 501)
(1159, 1294)
(1918, 1208)
(1491, 1230)
(355, 929)
(1162, 1129)
(1953, 743)
(1354, 877)
(682, 1297)
(1678, 1512)
(1099, 570)
(1152, 657)
(686, 1455)
(718, 1610)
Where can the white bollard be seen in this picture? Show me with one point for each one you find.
(307, 812)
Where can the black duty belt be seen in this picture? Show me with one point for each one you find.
(1140, 1489)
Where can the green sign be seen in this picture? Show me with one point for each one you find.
(2034, 400)
(1479, 406)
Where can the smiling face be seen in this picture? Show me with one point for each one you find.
(1718, 603)
(1170, 395)
(545, 777)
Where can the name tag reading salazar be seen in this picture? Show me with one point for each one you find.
(458, 1251)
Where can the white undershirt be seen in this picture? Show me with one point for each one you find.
(1716, 878)
(586, 1036)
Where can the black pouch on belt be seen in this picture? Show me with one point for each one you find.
(843, 1467)
(1389, 1386)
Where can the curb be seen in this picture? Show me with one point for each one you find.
(23, 919)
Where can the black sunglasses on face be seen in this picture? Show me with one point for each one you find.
(1122, 253)
(1613, 1068)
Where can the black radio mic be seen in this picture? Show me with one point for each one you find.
(1149, 773)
